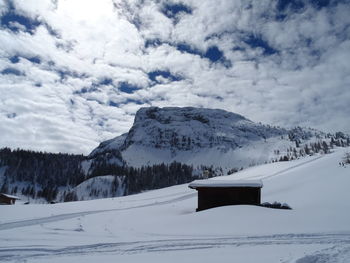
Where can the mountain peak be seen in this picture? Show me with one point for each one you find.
(182, 114)
(190, 128)
(171, 133)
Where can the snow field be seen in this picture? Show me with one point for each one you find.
(162, 225)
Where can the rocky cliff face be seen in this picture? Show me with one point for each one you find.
(184, 129)
(172, 133)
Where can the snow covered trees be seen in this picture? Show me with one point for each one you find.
(40, 173)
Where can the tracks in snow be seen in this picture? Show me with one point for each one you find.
(56, 218)
(285, 170)
(340, 240)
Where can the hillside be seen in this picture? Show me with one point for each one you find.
(99, 187)
(162, 225)
(164, 147)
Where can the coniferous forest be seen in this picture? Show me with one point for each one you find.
(44, 175)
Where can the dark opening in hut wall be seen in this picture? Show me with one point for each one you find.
(215, 193)
(214, 197)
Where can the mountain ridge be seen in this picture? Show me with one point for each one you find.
(164, 135)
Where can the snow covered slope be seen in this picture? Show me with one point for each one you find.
(99, 187)
(200, 137)
(162, 225)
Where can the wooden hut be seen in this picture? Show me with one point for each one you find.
(214, 193)
(6, 199)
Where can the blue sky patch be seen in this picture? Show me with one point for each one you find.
(12, 71)
(86, 90)
(15, 59)
(257, 42)
(138, 102)
(293, 5)
(11, 115)
(35, 60)
(183, 47)
(63, 73)
(320, 3)
(213, 54)
(11, 18)
(237, 48)
(171, 10)
(126, 87)
(106, 81)
(113, 104)
(153, 42)
(163, 73)
(94, 86)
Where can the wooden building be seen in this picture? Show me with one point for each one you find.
(6, 199)
(214, 193)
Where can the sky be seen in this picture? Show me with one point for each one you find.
(73, 73)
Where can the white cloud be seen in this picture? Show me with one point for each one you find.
(291, 71)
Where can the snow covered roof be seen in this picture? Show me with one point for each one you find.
(10, 196)
(225, 183)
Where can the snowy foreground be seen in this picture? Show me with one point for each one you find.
(162, 225)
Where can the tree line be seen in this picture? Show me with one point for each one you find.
(45, 175)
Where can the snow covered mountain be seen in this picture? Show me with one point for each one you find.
(164, 147)
(198, 136)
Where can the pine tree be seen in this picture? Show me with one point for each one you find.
(325, 147)
(4, 187)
